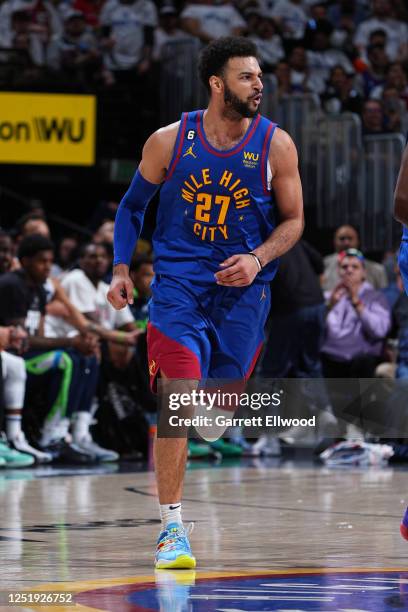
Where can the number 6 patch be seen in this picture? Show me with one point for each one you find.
(191, 134)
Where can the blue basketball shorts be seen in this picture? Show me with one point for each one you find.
(205, 331)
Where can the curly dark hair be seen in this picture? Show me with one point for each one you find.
(214, 56)
(33, 244)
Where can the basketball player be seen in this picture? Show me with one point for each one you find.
(401, 214)
(216, 246)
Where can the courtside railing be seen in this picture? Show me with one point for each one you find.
(339, 166)
(382, 159)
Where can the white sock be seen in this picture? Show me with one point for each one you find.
(13, 425)
(170, 513)
(80, 425)
(53, 431)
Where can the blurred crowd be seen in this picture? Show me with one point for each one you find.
(66, 354)
(352, 53)
(74, 371)
(75, 381)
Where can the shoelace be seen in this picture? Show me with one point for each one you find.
(174, 537)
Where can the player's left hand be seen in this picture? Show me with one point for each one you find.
(238, 271)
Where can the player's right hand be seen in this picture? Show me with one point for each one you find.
(120, 291)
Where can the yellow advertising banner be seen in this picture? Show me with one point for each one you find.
(47, 129)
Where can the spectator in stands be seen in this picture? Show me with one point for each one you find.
(317, 10)
(394, 109)
(91, 9)
(382, 18)
(340, 95)
(297, 316)
(373, 74)
(22, 302)
(86, 290)
(322, 57)
(104, 233)
(208, 19)
(252, 15)
(373, 119)
(269, 44)
(32, 223)
(346, 237)
(66, 256)
(44, 18)
(14, 386)
(300, 77)
(283, 74)
(396, 78)
(168, 31)
(21, 37)
(357, 322)
(296, 329)
(74, 54)
(105, 210)
(6, 252)
(12, 389)
(291, 17)
(378, 37)
(128, 43)
(13, 375)
(346, 15)
(141, 273)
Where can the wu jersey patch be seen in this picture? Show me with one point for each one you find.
(250, 160)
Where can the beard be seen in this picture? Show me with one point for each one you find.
(237, 107)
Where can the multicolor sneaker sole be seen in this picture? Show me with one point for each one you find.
(181, 562)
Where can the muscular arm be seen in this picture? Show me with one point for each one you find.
(241, 270)
(288, 192)
(156, 157)
(401, 192)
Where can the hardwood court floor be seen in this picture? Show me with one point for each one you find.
(59, 527)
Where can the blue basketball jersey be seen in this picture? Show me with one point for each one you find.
(214, 204)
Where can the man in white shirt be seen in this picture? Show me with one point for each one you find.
(131, 33)
(268, 42)
(167, 32)
(382, 19)
(292, 17)
(87, 292)
(207, 20)
(322, 58)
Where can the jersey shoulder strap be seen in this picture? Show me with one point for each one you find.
(186, 131)
(265, 134)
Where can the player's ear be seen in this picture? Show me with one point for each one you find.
(216, 83)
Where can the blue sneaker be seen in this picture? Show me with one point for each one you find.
(173, 548)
